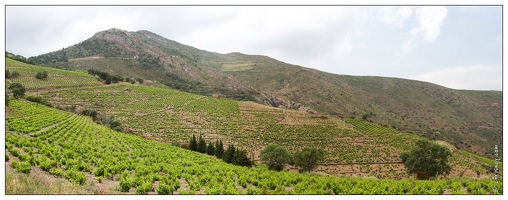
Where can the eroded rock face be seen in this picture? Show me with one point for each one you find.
(280, 103)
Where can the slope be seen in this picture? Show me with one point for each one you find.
(470, 120)
(57, 78)
(84, 152)
(166, 115)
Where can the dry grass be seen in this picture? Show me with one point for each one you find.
(39, 183)
(237, 66)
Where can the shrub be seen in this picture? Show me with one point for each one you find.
(175, 143)
(13, 74)
(165, 189)
(125, 182)
(41, 75)
(36, 99)
(18, 90)
(22, 167)
(44, 163)
(185, 146)
(144, 188)
(140, 80)
(91, 113)
(57, 172)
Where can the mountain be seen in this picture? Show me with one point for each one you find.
(471, 120)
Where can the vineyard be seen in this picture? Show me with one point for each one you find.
(355, 147)
(57, 78)
(76, 148)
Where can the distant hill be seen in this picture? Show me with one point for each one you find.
(470, 120)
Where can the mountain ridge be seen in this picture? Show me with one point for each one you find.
(470, 120)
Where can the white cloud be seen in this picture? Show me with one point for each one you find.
(395, 15)
(465, 77)
(430, 20)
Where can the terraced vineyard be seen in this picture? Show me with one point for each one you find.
(57, 78)
(354, 147)
(74, 147)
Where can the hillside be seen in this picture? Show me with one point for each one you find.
(75, 148)
(356, 147)
(42, 141)
(470, 120)
(57, 78)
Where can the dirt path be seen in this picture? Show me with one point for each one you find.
(51, 126)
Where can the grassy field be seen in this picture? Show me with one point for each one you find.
(89, 154)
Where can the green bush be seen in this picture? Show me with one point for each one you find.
(44, 163)
(36, 99)
(41, 75)
(144, 188)
(57, 172)
(125, 182)
(165, 189)
(22, 167)
(76, 177)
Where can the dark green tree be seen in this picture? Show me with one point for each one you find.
(426, 160)
(229, 155)
(241, 158)
(308, 158)
(116, 125)
(275, 157)
(219, 149)
(193, 144)
(210, 150)
(17, 89)
(201, 145)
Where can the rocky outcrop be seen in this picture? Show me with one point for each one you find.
(280, 103)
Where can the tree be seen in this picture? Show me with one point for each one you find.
(275, 156)
(229, 155)
(241, 158)
(210, 150)
(308, 158)
(140, 80)
(116, 125)
(193, 144)
(7, 73)
(17, 89)
(426, 160)
(219, 149)
(201, 145)
(41, 75)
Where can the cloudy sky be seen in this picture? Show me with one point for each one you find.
(457, 47)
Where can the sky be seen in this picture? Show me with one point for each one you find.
(458, 47)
